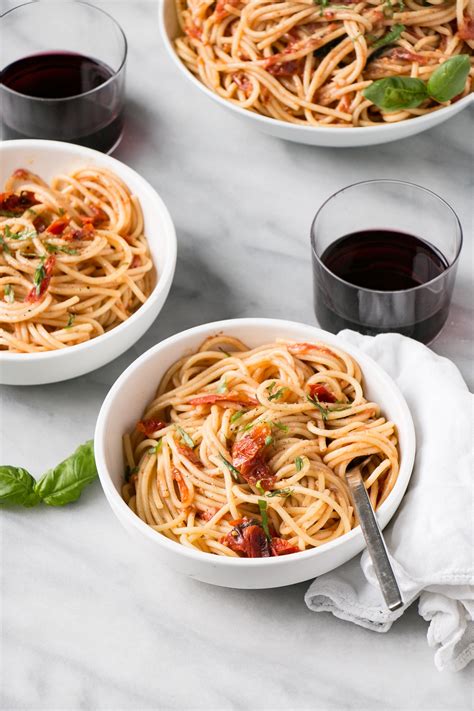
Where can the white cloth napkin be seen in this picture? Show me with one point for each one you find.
(430, 538)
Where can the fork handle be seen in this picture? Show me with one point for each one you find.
(374, 540)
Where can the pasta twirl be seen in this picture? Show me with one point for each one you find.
(243, 452)
(309, 62)
(74, 261)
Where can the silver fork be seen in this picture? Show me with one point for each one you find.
(374, 539)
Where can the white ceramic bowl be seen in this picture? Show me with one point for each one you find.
(135, 388)
(311, 135)
(48, 158)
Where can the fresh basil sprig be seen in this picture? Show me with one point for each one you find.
(397, 93)
(449, 79)
(60, 485)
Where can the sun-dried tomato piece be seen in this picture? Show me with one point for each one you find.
(42, 278)
(39, 224)
(248, 456)
(248, 538)
(98, 217)
(281, 547)
(14, 204)
(150, 426)
(188, 453)
(58, 226)
(321, 392)
(184, 492)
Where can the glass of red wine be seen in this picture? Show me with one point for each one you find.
(385, 254)
(63, 74)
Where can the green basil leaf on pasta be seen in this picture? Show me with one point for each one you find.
(299, 464)
(185, 437)
(449, 79)
(17, 486)
(64, 483)
(390, 37)
(396, 93)
(235, 472)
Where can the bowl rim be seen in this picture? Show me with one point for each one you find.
(164, 278)
(415, 121)
(118, 504)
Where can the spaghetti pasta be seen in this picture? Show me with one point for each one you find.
(74, 261)
(243, 452)
(308, 62)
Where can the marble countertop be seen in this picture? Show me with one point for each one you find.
(88, 621)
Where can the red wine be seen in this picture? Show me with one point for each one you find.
(379, 270)
(62, 96)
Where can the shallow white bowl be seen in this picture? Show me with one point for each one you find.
(48, 158)
(311, 135)
(136, 387)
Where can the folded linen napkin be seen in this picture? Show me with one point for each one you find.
(430, 538)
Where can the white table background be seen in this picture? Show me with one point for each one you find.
(88, 622)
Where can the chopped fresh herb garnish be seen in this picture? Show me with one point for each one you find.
(247, 427)
(40, 274)
(23, 234)
(70, 320)
(31, 211)
(226, 353)
(262, 505)
(313, 399)
(260, 488)
(299, 464)
(390, 37)
(185, 437)
(222, 387)
(5, 246)
(279, 492)
(271, 387)
(9, 293)
(268, 440)
(237, 415)
(61, 211)
(279, 425)
(278, 394)
(235, 472)
(7, 213)
(55, 248)
(156, 448)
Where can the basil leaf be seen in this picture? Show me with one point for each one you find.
(278, 394)
(17, 486)
(279, 492)
(65, 482)
(70, 320)
(299, 464)
(186, 438)
(449, 79)
(54, 249)
(390, 37)
(5, 246)
(262, 505)
(279, 425)
(235, 472)
(236, 415)
(313, 399)
(396, 93)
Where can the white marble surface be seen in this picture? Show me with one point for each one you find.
(88, 622)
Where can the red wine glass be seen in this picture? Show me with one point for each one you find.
(63, 73)
(385, 254)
